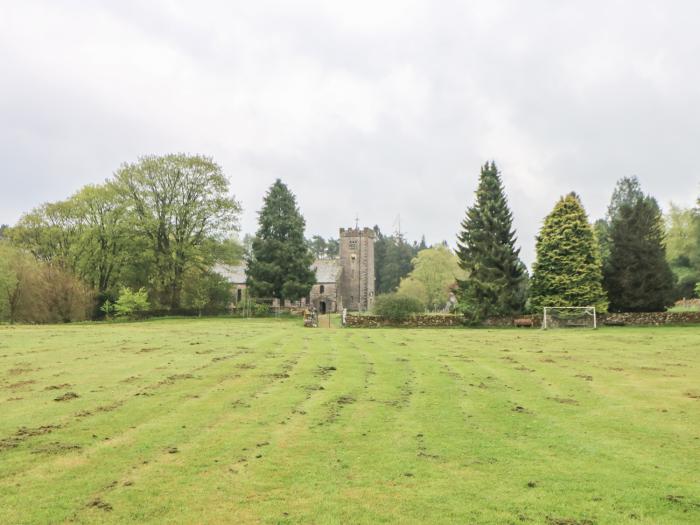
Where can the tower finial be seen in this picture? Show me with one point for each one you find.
(357, 221)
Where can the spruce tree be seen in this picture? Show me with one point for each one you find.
(568, 269)
(279, 264)
(486, 249)
(637, 275)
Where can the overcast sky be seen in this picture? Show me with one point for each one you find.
(369, 107)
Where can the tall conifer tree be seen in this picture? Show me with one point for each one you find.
(568, 268)
(496, 277)
(637, 275)
(280, 260)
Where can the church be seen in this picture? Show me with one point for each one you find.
(343, 282)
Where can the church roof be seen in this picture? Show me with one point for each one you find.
(327, 270)
(233, 274)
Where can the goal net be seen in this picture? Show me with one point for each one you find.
(569, 317)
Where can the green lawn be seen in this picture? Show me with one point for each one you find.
(263, 421)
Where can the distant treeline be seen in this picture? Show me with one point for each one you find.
(149, 238)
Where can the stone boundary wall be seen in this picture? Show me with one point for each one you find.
(450, 320)
(375, 321)
(650, 318)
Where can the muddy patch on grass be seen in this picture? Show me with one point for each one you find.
(563, 400)
(99, 409)
(345, 400)
(568, 521)
(97, 503)
(20, 370)
(20, 384)
(66, 397)
(693, 395)
(56, 448)
(335, 407)
(324, 371)
(176, 377)
(24, 433)
(146, 350)
(423, 450)
(584, 377)
(223, 358)
(682, 501)
(58, 387)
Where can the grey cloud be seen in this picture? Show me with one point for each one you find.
(378, 109)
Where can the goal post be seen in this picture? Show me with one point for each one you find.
(569, 317)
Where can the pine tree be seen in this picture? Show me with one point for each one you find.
(486, 249)
(637, 275)
(280, 260)
(568, 269)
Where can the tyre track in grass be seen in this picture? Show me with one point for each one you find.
(566, 440)
(66, 424)
(95, 382)
(146, 431)
(254, 471)
(309, 464)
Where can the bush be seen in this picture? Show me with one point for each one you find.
(396, 307)
(131, 304)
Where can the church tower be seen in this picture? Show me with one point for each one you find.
(357, 263)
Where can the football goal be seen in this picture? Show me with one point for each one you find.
(569, 317)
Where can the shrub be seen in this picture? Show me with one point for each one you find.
(397, 307)
(131, 304)
(697, 290)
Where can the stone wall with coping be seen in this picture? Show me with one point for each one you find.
(451, 320)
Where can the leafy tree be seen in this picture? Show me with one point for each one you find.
(206, 291)
(280, 261)
(4, 229)
(636, 275)
(434, 272)
(107, 308)
(18, 281)
(178, 203)
(49, 232)
(132, 303)
(39, 292)
(495, 276)
(601, 229)
(87, 234)
(682, 236)
(415, 289)
(396, 307)
(332, 248)
(317, 246)
(697, 290)
(392, 260)
(683, 248)
(568, 270)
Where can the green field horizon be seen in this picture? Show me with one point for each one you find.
(263, 421)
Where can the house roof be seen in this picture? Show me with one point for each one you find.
(327, 270)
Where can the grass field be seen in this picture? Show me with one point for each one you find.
(263, 421)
